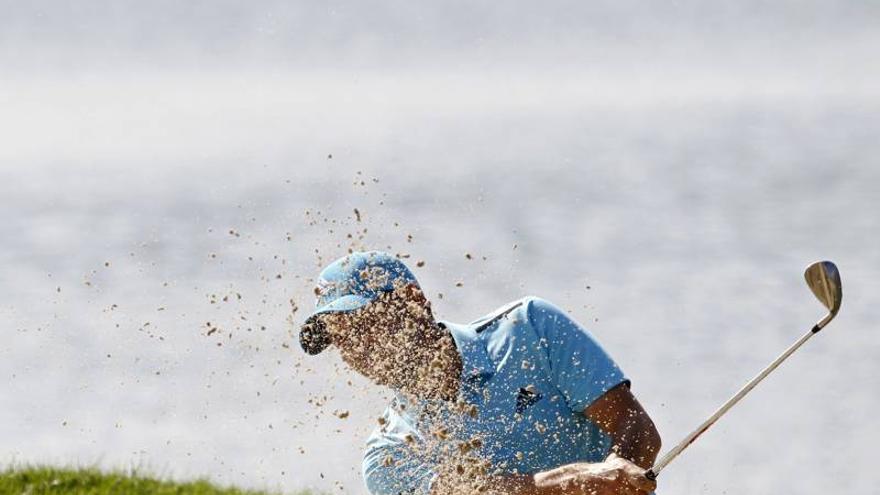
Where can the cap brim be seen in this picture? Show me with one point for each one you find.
(313, 337)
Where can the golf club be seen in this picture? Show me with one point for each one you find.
(824, 280)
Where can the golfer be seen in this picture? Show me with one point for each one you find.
(521, 401)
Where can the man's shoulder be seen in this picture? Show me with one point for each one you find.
(520, 312)
(487, 320)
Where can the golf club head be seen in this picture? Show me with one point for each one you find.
(824, 280)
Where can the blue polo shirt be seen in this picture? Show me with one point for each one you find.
(529, 371)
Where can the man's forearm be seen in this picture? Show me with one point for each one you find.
(523, 484)
(512, 484)
(614, 476)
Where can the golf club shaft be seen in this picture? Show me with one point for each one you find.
(672, 454)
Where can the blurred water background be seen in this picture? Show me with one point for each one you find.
(173, 175)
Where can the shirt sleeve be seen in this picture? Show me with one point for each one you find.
(577, 364)
(392, 465)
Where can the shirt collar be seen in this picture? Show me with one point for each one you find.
(475, 363)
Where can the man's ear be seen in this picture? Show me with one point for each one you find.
(414, 293)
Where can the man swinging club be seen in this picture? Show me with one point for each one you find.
(521, 401)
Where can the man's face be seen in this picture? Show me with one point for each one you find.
(385, 340)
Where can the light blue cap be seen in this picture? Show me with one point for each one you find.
(350, 283)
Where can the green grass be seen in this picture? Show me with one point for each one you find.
(30, 480)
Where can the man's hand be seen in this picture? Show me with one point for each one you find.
(614, 476)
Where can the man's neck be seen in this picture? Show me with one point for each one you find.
(441, 376)
(453, 366)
